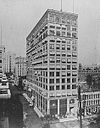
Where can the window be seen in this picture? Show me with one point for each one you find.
(68, 47)
(58, 87)
(51, 88)
(73, 80)
(52, 32)
(74, 22)
(68, 80)
(74, 73)
(68, 28)
(51, 81)
(51, 26)
(52, 40)
(74, 29)
(57, 73)
(63, 80)
(74, 48)
(63, 28)
(74, 67)
(58, 27)
(63, 47)
(51, 46)
(51, 73)
(63, 87)
(74, 86)
(57, 80)
(68, 34)
(63, 20)
(68, 73)
(68, 54)
(68, 67)
(51, 17)
(58, 60)
(64, 54)
(57, 46)
(68, 86)
(63, 33)
(63, 60)
(74, 35)
(69, 60)
(58, 33)
(57, 19)
(63, 73)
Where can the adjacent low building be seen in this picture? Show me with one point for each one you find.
(91, 102)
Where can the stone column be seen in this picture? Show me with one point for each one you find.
(58, 107)
(67, 105)
(48, 107)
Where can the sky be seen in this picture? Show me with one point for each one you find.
(18, 17)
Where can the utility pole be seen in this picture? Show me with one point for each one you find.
(61, 6)
(1, 35)
(80, 110)
(73, 6)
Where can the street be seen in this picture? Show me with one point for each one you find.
(14, 109)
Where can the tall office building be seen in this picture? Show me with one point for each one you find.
(20, 66)
(2, 58)
(10, 62)
(52, 63)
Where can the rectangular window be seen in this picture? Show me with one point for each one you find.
(68, 80)
(51, 73)
(51, 26)
(68, 34)
(68, 67)
(57, 73)
(57, 80)
(51, 81)
(63, 33)
(51, 32)
(73, 80)
(51, 88)
(68, 86)
(58, 33)
(63, 80)
(68, 47)
(68, 73)
(51, 46)
(74, 48)
(63, 87)
(74, 35)
(74, 86)
(57, 46)
(58, 87)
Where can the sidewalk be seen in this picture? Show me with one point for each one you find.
(28, 99)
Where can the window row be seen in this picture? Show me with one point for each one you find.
(63, 87)
(68, 28)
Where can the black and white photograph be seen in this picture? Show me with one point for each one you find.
(49, 64)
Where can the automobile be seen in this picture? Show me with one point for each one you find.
(5, 93)
(4, 84)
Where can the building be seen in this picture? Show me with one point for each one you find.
(2, 58)
(10, 62)
(52, 63)
(91, 102)
(84, 71)
(20, 66)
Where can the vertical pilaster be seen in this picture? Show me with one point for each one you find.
(67, 105)
(48, 107)
(58, 107)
